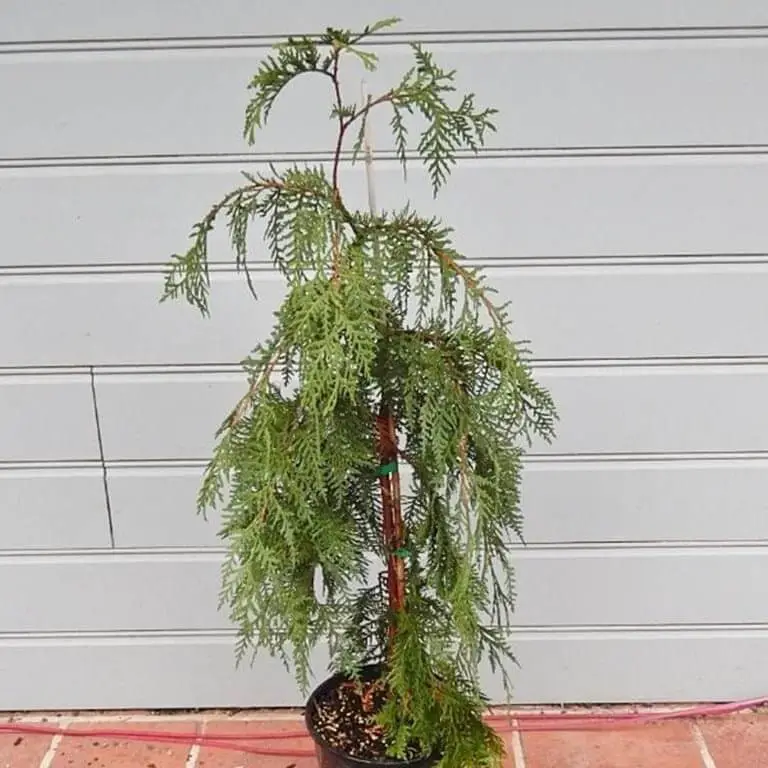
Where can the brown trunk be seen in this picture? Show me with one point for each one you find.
(392, 528)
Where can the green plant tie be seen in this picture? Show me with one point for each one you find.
(402, 552)
(387, 469)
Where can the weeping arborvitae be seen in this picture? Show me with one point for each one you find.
(376, 450)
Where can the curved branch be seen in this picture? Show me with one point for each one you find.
(473, 284)
(241, 408)
(440, 254)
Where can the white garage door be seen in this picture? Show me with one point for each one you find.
(621, 206)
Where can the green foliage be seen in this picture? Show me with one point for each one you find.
(425, 88)
(380, 311)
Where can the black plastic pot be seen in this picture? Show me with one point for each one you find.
(330, 757)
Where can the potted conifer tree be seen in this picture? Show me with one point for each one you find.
(388, 357)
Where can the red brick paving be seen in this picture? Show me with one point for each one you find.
(670, 745)
(22, 751)
(89, 752)
(740, 741)
(210, 757)
(215, 758)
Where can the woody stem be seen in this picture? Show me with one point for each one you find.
(393, 529)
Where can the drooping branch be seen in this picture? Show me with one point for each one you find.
(246, 401)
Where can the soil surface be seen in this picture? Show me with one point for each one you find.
(345, 720)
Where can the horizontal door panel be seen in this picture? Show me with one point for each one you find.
(157, 508)
(657, 501)
(556, 587)
(603, 410)
(183, 672)
(47, 418)
(555, 94)
(576, 501)
(86, 19)
(118, 319)
(521, 208)
(53, 509)
(566, 312)
(160, 405)
(664, 409)
(80, 592)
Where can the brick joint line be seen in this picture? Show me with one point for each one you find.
(516, 744)
(50, 754)
(707, 760)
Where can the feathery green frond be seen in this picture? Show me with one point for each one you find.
(425, 89)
